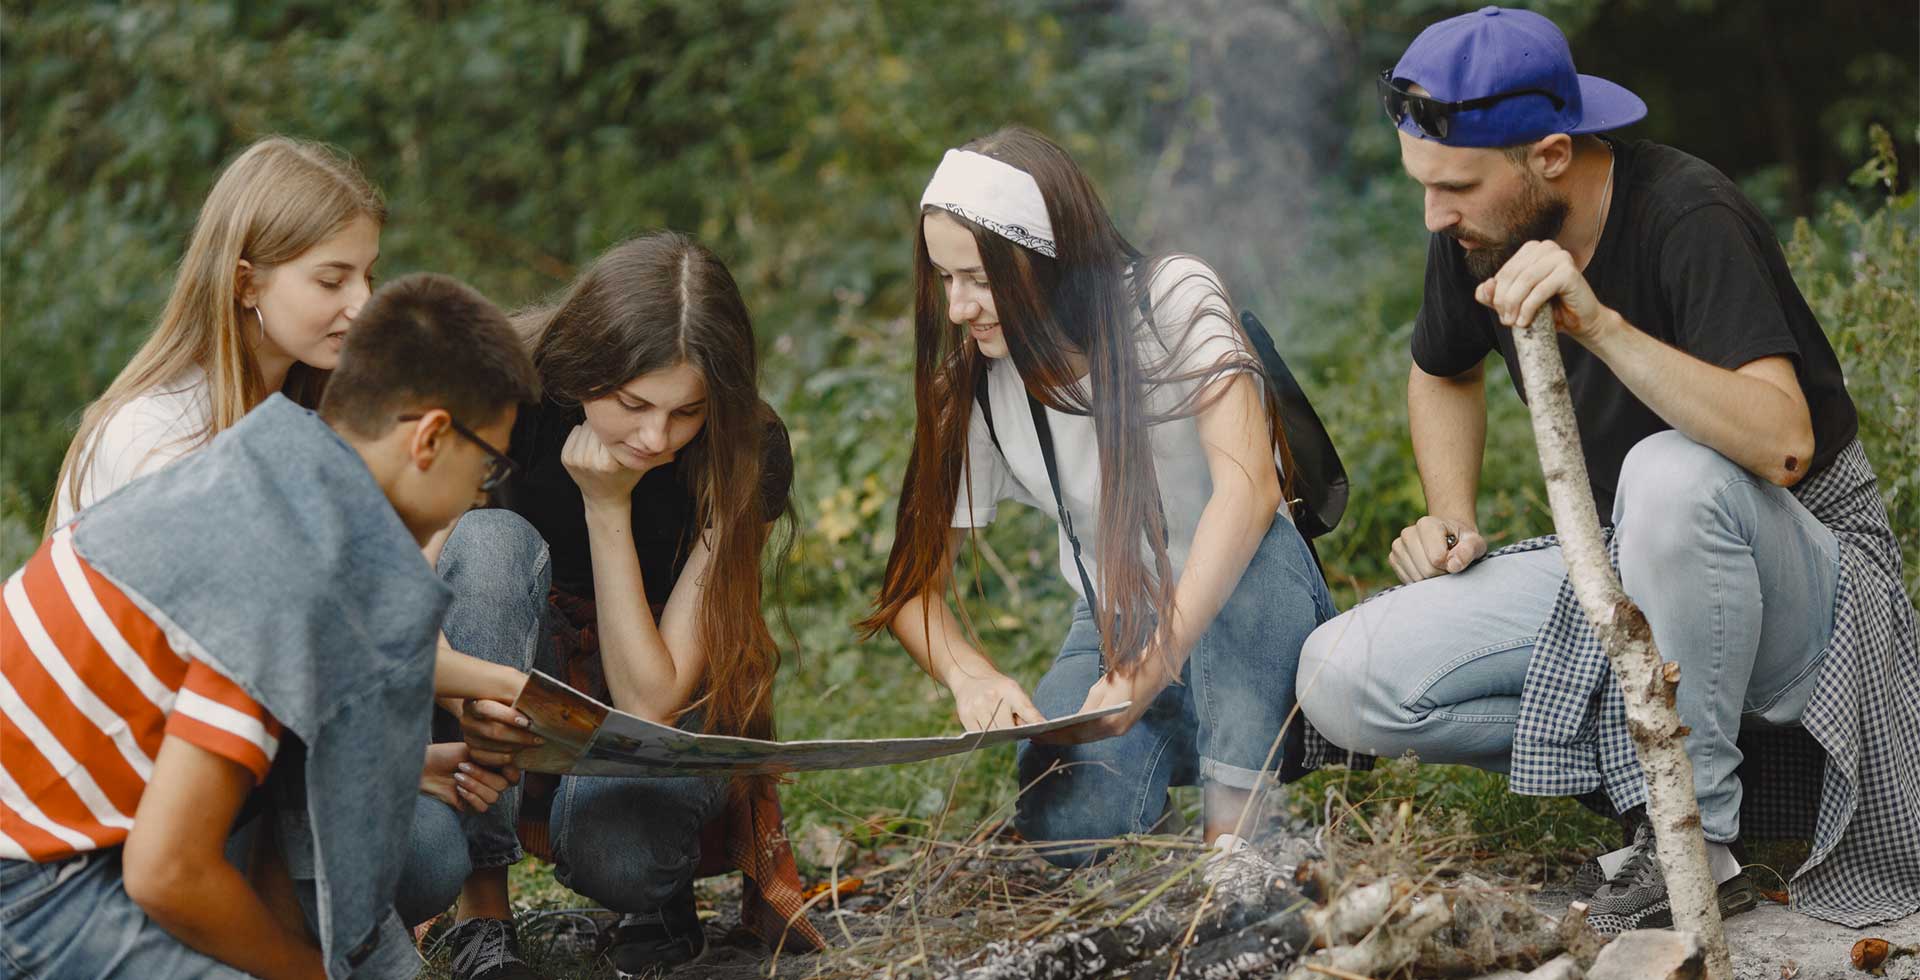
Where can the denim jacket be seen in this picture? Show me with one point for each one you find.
(273, 556)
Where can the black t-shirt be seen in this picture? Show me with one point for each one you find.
(543, 492)
(1684, 257)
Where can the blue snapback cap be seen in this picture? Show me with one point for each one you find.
(1497, 50)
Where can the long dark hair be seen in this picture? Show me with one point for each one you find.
(1081, 301)
(648, 304)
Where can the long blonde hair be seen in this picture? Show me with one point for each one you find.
(275, 201)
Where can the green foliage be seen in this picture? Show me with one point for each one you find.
(516, 141)
(1858, 274)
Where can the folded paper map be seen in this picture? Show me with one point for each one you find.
(587, 738)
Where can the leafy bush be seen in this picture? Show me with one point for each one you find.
(515, 142)
(1858, 273)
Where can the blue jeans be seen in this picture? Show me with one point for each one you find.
(1218, 725)
(627, 843)
(73, 918)
(1437, 668)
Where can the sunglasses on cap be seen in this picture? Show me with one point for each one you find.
(499, 465)
(1434, 117)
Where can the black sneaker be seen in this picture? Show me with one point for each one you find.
(648, 944)
(1590, 875)
(1636, 896)
(487, 949)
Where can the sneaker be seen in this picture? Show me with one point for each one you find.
(1236, 867)
(648, 944)
(1592, 874)
(487, 949)
(1636, 896)
(1588, 879)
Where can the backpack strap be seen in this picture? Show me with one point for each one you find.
(1044, 433)
(986, 407)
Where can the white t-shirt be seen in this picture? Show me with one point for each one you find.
(1018, 472)
(145, 434)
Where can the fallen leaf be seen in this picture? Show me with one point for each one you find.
(848, 886)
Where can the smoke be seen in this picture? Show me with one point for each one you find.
(1269, 90)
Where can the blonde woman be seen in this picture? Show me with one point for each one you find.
(280, 262)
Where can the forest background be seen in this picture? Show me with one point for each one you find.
(515, 141)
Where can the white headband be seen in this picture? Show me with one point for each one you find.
(996, 196)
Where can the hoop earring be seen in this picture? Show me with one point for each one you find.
(262, 319)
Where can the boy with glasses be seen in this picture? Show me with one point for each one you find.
(1720, 443)
(162, 652)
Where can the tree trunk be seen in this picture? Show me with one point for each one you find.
(1648, 683)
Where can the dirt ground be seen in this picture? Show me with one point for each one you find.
(1768, 943)
(1771, 943)
(873, 932)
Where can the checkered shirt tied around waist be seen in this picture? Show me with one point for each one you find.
(1854, 761)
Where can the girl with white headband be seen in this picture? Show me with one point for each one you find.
(1166, 477)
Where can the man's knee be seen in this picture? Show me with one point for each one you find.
(1672, 491)
(1668, 473)
(1331, 680)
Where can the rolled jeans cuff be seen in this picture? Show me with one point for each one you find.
(1233, 777)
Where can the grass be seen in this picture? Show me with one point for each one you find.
(915, 814)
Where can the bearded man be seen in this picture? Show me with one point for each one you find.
(1720, 441)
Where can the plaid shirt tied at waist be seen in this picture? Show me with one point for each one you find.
(1853, 764)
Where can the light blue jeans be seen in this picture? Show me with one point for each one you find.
(627, 843)
(73, 918)
(1734, 574)
(1218, 725)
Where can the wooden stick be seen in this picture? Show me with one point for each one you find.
(1392, 946)
(1647, 682)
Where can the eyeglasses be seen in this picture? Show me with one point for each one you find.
(499, 467)
(1434, 117)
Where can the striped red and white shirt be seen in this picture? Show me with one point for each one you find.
(89, 685)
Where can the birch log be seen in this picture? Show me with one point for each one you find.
(1648, 683)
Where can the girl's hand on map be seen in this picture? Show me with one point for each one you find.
(1139, 684)
(451, 777)
(495, 731)
(993, 701)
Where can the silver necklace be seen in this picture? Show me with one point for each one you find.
(1606, 201)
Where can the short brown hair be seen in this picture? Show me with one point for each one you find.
(428, 341)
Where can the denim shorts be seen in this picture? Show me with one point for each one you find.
(73, 918)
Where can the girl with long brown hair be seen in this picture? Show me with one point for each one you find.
(626, 560)
(280, 261)
(1058, 366)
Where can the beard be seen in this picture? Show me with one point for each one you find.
(1536, 216)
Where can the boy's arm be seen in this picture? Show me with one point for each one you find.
(175, 868)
